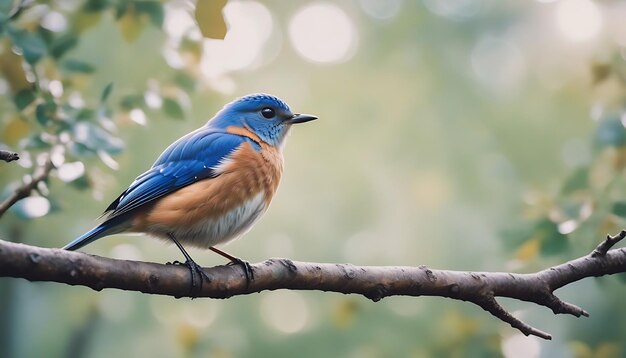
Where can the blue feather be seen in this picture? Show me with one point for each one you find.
(189, 159)
(104, 229)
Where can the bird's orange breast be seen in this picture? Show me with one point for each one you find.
(247, 174)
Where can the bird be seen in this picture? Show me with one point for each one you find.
(210, 186)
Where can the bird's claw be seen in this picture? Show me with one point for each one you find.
(247, 269)
(194, 269)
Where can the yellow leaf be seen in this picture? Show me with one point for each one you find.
(345, 313)
(528, 250)
(608, 350)
(210, 18)
(132, 24)
(16, 129)
(85, 20)
(188, 336)
(12, 70)
(580, 349)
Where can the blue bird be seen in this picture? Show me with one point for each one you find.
(210, 186)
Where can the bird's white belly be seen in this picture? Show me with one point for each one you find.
(227, 227)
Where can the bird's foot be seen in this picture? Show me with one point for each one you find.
(194, 270)
(247, 269)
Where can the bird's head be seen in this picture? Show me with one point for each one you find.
(264, 115)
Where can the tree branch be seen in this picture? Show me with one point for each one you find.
(374, 282)
(40, 174)
(8, 156)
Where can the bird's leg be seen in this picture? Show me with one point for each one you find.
(247, 268)
(194, 268)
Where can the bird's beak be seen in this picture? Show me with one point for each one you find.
(299, 118)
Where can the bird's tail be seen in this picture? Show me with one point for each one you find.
(97, 232)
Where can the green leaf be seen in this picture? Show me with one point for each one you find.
(106, 92)
(85, 114)
(23, 98)
(210, 18)
(132, 101)
(94, 138)
(81, 183)
(4, 19)
(36, 142)
(96, 5)
(619, 209)
(577, 181)
(172, 108)
(184, 81)
(32, 45)
(552, 241)
(62, 44)
(611, 132)
(78, 66)
(45, 112)
(153, 9)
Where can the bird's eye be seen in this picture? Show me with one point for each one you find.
(268, 112)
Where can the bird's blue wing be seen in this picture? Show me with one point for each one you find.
(189, 159)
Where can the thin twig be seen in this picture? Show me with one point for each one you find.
(373, 282)
(8, 156)
(606, 245)
(40, 174)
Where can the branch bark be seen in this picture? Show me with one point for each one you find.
(374, 282)
(8, 156)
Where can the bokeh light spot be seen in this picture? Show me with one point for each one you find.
(518, 346)
(250, 26)
(34, 206)
(285, 311)
(322, 32)
(381, 9)
(578, 20)
(71, 171)
(498, 64)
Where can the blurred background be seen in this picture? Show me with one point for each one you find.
(473, 135)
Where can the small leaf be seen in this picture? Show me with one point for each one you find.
(528, 250)
(96, 5)
(600, 72)
(23, 98)
(81, 183)
(552, 241)
(577, 181)
(210, 18)
(32, 45)
(106, 92)
(185, 81)
(97, 139)
(619, 209)
(172, 108)
(132, 101)
(611, 132)
(36, 142)
(12, 70)
(86, 19)
(78, 66)
(153, 9)
(131, 25)
(16, 129)
(62, 44)
(45, 112)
